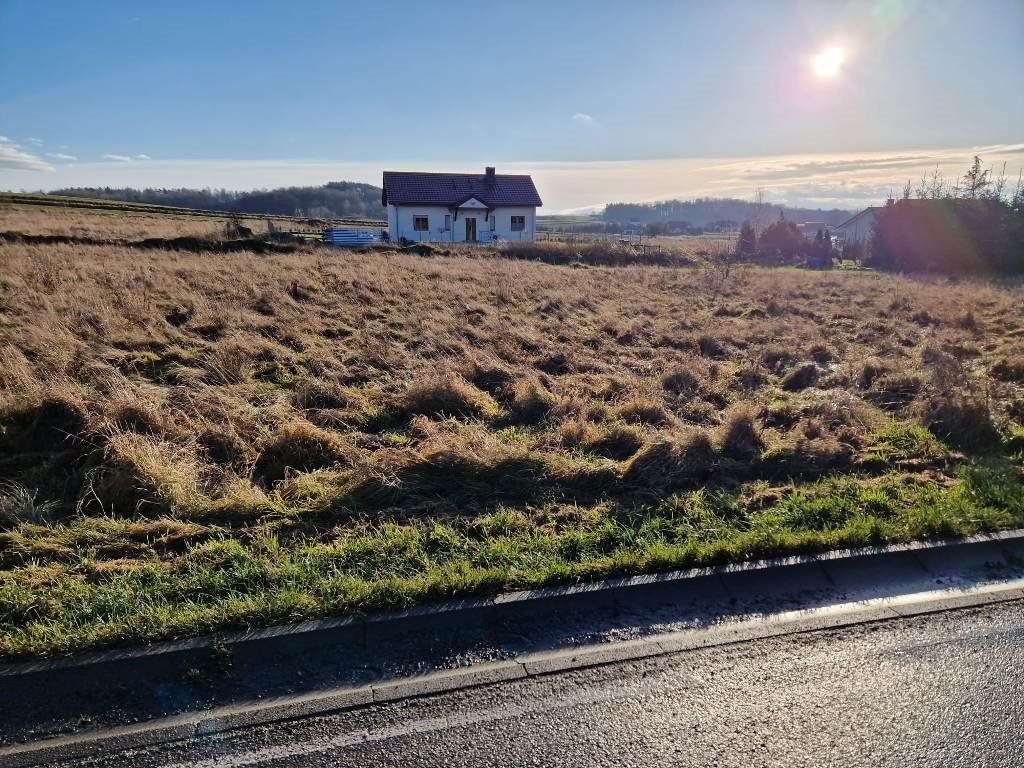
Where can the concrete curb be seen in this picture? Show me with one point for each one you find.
(605, 591)
(250, 714)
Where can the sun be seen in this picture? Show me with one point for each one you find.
(828, 62)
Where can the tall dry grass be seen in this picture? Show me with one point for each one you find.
(114, 225)
(152, 402)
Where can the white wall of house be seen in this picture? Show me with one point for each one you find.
(401, 223)
(858, 230)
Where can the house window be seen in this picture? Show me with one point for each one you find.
(518, 223)
(420, 223)
(447, 222)
(490, 222)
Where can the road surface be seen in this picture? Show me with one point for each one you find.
(938, 690)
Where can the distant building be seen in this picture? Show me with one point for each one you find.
(857, 229)
(810, 229)
(680, 228)
(460, 207)
(633, 227)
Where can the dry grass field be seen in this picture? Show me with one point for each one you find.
(197, 441)
(113, 225)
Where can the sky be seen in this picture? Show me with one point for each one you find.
(600, 101)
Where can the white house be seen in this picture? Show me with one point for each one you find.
(460, 207)
(857, 229)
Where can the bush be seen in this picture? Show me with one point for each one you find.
(949, 235)
(783, 240)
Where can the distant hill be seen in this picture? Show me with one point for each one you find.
(336, 199)
(709, 212)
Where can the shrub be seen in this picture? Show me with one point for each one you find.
(783, 239)
(948, 235)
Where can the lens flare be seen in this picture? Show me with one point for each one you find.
(828, 62)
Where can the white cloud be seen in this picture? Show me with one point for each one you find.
(582, 118)
(843, 180)
(60, 156)
(124, 158)
(12, 157)
(34, 141)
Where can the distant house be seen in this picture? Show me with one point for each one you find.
(810, 229)
(460, 207)
(857, 229)
(633, 227)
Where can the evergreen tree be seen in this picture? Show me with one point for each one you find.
(746, 245)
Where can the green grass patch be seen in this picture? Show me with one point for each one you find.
(64, 591)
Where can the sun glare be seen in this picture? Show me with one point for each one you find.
(828, 62)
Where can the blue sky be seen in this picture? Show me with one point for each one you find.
(263, 94)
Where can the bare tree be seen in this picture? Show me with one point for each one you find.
(760, 207)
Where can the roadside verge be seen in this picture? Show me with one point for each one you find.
(212, 684)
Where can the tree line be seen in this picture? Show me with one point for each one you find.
(336, 199)
(972, 225)
(715, 214)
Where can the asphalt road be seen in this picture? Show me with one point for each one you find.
(939, 690)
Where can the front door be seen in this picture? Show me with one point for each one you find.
(471, 229)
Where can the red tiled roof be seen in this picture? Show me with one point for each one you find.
(451, 189)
